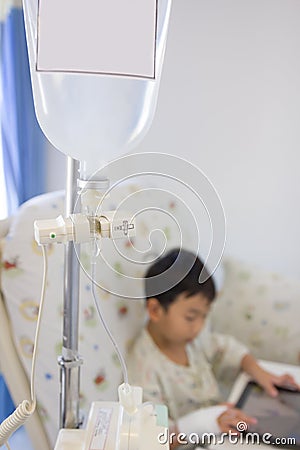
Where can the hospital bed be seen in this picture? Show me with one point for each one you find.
(256, 306)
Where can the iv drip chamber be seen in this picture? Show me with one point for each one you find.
(89, 116)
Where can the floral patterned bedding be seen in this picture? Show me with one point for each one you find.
(259, 308)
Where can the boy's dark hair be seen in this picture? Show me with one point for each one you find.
(176, 272)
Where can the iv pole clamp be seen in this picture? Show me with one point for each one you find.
(70, 362)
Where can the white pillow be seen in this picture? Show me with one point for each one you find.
(261, 309)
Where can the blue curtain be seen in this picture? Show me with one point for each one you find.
(6, 403)
(23, 143)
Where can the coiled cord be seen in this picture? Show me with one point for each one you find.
(26, 408)
(15, 420)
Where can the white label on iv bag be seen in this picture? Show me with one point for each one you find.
(113, 37)
(100, 430)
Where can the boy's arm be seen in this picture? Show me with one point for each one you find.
(224, 353)
(265, 379)
(207, 423)
(199, 422)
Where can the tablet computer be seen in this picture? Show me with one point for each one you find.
(277, 418)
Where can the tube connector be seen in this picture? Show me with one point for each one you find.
(81, 228)
(61, 230)
(117, 224)
(130, 397)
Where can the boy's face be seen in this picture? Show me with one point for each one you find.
(183, 320)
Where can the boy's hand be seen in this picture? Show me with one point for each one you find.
(231, 420)
(269, 381)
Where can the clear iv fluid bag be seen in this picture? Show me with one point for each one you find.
(94, 117)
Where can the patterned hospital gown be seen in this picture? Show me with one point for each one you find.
(184, 388)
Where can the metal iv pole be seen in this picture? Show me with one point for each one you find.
(70, 361)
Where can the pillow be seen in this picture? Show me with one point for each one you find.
(261, 309)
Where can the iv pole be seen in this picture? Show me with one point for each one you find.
(70, 361)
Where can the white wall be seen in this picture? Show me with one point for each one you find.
(230, 103)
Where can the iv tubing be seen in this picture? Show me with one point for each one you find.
(26, 408)
(114, 343)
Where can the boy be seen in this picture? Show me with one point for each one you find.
(179, 366)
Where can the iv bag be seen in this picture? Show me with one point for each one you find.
(89, 116)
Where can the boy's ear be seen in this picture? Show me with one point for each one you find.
(154, 309)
